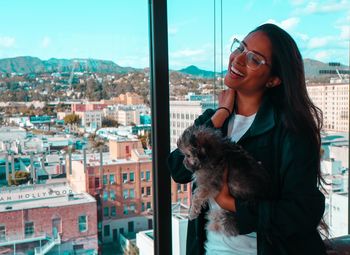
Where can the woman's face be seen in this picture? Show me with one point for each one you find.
(240, 76)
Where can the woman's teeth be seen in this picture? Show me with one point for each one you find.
(235, 71)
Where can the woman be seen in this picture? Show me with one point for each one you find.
(266, 109)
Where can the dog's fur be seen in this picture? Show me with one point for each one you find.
(207, 154)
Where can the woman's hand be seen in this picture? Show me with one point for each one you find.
(224, 198)
(226, 99)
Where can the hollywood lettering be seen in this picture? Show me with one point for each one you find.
(34, 195)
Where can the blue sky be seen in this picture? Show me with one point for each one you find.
(117, 30)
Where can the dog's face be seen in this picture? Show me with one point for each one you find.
(191, 160)
(198, 145)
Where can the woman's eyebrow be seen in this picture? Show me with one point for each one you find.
(256, 52)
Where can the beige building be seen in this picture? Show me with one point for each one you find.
(127, 98)
(93, 118)
(333, 100)
(182, 115)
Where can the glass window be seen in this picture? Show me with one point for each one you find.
(105, 179)
(113, 211)
(148, 191)
(106, 211)
(132, 208)
(28, 229)
(111, 179)
(125, 194)
(2, 233)
(148, 175)
(132, 193)
(112, 195)
(106, 230)
(125, 211)
(125, 177)
(148, 205)
(142, 176)
(105, 195)
(132, 176)
(82, 223)
(142, 206)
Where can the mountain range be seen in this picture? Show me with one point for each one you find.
(29, 64)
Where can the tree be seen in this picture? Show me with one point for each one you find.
(72, 119)
(108, 122)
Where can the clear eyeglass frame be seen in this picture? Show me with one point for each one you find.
(253, 60)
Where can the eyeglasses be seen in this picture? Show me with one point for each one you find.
(253, 60)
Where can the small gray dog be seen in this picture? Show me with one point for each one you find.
(207, 154)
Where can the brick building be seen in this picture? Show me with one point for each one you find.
(47, 219)
(122, 179)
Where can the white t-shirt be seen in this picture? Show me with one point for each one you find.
(220, 244)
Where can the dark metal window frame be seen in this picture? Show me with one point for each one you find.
(159, 87)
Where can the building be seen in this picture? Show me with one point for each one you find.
(183, 114)
(47, 219)
(88, 106)
(91, 119)
(122, 182)
(333, 100)
(179, 221)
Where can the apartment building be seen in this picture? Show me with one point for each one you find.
(47, 219)
(333, 100)
(121, 180)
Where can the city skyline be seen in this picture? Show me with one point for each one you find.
(118, 30)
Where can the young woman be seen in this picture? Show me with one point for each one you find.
(266, 109)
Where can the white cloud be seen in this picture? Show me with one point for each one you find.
(45, 42)
(318, 42)
(7, 41)
(172, 30)
(322, 55)
(286, 24)
(187, 53)
(303, 37)
(345, 32)
(328, 6)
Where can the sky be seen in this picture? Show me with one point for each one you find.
(117, 30)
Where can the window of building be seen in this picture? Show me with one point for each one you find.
(28, 229)
(2, 233)
(125, 194)
(125, 177)
(148, 205)
(132, 208)
(142, 207)
(113, 211)
(112, 195)
(132, 176)
(125, 209)
(106, 211)
(111, 179)
(148, 175)
(105, 195)
(106, 231)
(105, 179)
(82, 223)
(132, 193)
(142, 175)
(148, 191)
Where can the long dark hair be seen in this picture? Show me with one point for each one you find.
(292, 96)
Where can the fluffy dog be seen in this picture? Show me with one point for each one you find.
(207, 154)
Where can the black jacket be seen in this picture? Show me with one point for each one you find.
(287, 222)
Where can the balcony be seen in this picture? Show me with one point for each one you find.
(21, 238)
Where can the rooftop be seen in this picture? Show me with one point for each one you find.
(40, 195)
